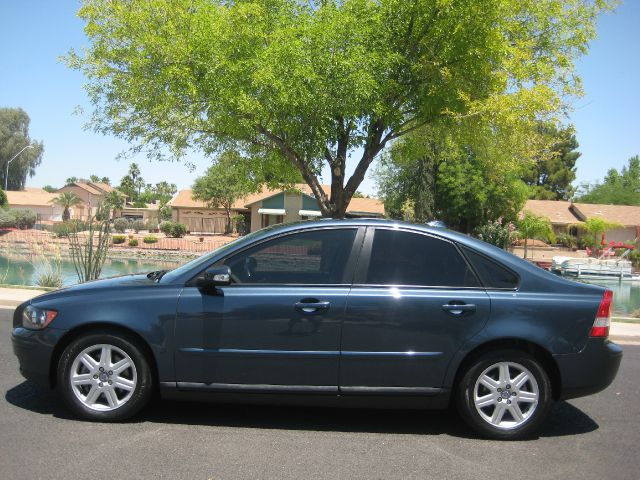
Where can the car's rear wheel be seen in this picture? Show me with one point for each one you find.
(105, 377)
(504, 394)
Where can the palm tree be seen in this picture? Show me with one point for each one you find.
(114, 200)
(67, 200)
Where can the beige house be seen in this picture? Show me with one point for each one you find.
(38, 200)
(265, 208)
(566, 217)
(91, 195)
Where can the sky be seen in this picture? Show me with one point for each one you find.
(35, 33)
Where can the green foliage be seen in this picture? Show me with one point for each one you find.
(239, 224)
(595, 227)
(50, 189)
(311, 82)
(567, 240)
(3, 198)
(121, 224)
(498, 233)
(532, 226)
(71, 180)
(137, 225)
(114, 200)
(164, 213)
(67, 200)
(22, 219)
(150, 239)
(61, 230)
(224, 182)
(438, 173)
(118, 239)
(554, 168)
(14, 136)
(618, 188)
(173, 229)
(133, 242)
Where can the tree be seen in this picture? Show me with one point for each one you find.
(14, 136)
(553, 170)
(3, 198)
(534, 226)
(224, 182)
(598, 226)
(618, 188)
(105, 180)
(113, 201)
(67, 200)
(444, 174)
(49, 188)
(71, 180)
(94, 178)
(314, 82)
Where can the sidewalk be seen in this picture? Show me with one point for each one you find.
(620, 331)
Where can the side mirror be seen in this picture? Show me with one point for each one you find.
(216, 277)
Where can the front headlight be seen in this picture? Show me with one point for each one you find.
(35, 318)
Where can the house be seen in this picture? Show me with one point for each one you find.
(38, 200)
(264, 208)
(567, 217)
(91, 195)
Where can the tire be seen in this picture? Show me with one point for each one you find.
(104, 377)
(504, 395)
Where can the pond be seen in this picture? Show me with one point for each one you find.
(626, 296)
(16, 269)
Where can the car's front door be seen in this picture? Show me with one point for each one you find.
(412, 306)
(277, 327)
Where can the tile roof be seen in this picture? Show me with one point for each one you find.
(101, 186)
(557, 211)
(627, 215)
(360, 205)
(85, 186)
(30, 196)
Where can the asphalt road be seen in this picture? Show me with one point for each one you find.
(590, 438)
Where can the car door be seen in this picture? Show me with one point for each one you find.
(414, 302)
(277, 326)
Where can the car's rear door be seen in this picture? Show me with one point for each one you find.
(414, 302)
(277, 327)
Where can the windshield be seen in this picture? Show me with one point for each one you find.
(196, 263)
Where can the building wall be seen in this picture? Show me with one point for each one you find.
(90, 201)
(627, 234)
(292, 205)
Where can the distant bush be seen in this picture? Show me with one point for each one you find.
(121, 224)
(151, 224)
(173, 229)
(118, 239)
(585, 242)
(137, 225)
(22, 219)
(133, 242)
(63, 229)
(566, 240)
(150, 239)
(3, 198)
(496, 233)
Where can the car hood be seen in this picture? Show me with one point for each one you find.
(125, 281)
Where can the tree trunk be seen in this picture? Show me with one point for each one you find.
(66, 214)
(525, 247)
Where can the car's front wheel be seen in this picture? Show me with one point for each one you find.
(504, 394)
(105, 377)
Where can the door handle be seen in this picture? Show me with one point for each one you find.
(458, 309)
(311, 307)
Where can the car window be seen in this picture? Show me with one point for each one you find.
(312, 258)
(405, 258)
(491, 274)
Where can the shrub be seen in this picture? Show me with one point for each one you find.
(137, 225)
(133, 242)
(151, 224)
(496, 233)
(150, 239)
(121, 224)
(634, 257)
(3, 198)
(118, 239)
(22, 219)
(566, 240)
(239, 223)
(585, 242)
(173, 229)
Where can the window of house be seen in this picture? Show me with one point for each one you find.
(268, 220)
(405, 258)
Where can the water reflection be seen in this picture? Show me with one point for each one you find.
(626, 295)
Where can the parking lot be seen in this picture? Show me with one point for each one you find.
(593, 437)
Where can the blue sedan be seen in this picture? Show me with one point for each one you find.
(332, 312)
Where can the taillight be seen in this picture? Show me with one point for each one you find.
(603, 317)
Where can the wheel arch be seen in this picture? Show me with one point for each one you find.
(102, 327)
(539, 353)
